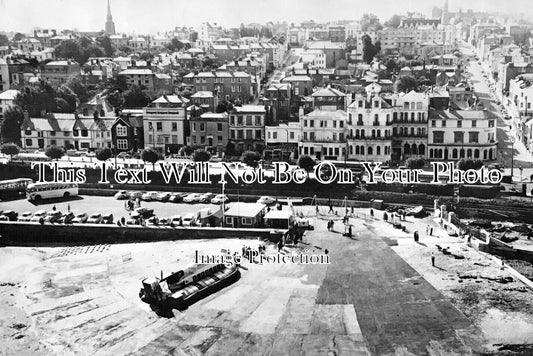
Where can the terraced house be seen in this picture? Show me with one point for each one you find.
(230, 86)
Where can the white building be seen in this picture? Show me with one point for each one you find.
(7, 100)
(323, 135)
(165, 122)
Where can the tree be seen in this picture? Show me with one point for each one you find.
(368, 49)
(105, 43)
(306, 163)
(370, 22)
(136, 98)
(54, 152)
(224, 106)
(465, 164)
(18, 37)
(251, 158)
(36, 99)
(394, 21)
(150, 155)
(175, 45)
(391, 65)
(4, 41)
(66, 100)
(103, 154)
(415, 163)
(405, 84)
(201, 155)
(10, 127)
(10, 148)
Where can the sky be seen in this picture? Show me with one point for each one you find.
(152, 16)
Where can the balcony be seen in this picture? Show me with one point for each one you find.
(323, 140)
(360, 123)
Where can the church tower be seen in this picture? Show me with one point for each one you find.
(445, 14)
(109, 24)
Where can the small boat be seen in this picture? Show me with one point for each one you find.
(183, 288)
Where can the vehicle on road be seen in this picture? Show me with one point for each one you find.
(206, 197)
(67, 218)
(266, 200)
(53, 216)
(10, 215)
(81, 218)
(176, 197)
(153, 221)
(134, 219)
(107, 219)
(149, 196)
(38, 215)
(122, 194)
(124, 155)
(192, 198)
(219, 199)
(136, 194)
(38, 191)
(14, 187)
(163, 197)
(144, 212)
(189, 219)
(176, 220)
(25, 216)
(95, 218)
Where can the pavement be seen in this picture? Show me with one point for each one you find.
(372, 299)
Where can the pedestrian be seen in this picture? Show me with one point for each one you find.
(331, 208)
(316, 209)
(371, 212)
(431, 231)
(385, 216)
(326, 251)
(332, 225)
(280, 245)
(68, 208)
(123, 220)
(54, 208)
(352, 210)
(432, 259)
(350, 231)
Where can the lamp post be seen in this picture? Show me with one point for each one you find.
(512, 139)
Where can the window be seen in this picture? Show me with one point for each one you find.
(232, 134)
(174, 139)
(247, 221)
(443, 123)
(474, 123)
(248, 120)
(458, 137)
(438, 137)
(74, 132)
(174, 126)
(433, 123)
(459, 123)
(473, 137)
(239, 120)
(52, 133)
(258, 134)
(122, 144)
(159, 126)
(274, 134)
(219, 126)
(249, 134)
(122, 131)
(84, 133)
(202, 126)
(291, 135)
(491, 123)
(29, 142)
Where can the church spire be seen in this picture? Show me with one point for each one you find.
(109, 24)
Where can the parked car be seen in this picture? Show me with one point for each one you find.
(107, 219)
(144, 212)
(95, 218)
(189, 219)
(67, 218)
(206, 197)
(38, 215)
(25, 216)
(80, 218)
(192, 198)
(219, 199)
(10, 215)
(176, 197)
(123, 155)
(148, 196)
(163, 197)
(122, 194)
(153, 221)
(53, 216)
(176, 220)
(136, 194)
(266, 200)
(134, 219)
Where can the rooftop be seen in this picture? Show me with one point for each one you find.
(246, 210)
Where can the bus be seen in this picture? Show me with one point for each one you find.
(38, 191)
(14, 187)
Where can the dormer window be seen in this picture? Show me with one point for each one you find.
(360, 103)
(376, 104)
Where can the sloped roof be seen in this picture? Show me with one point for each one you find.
(248, 210)
(9, 94)
(327, 92)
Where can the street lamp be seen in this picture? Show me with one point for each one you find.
(512, 139)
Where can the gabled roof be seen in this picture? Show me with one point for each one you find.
(247, 210)
(327, 92)
(202, 94)
(136, 72)
(338, 114)
(170, 99)
(297, 78)
(9, 94)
